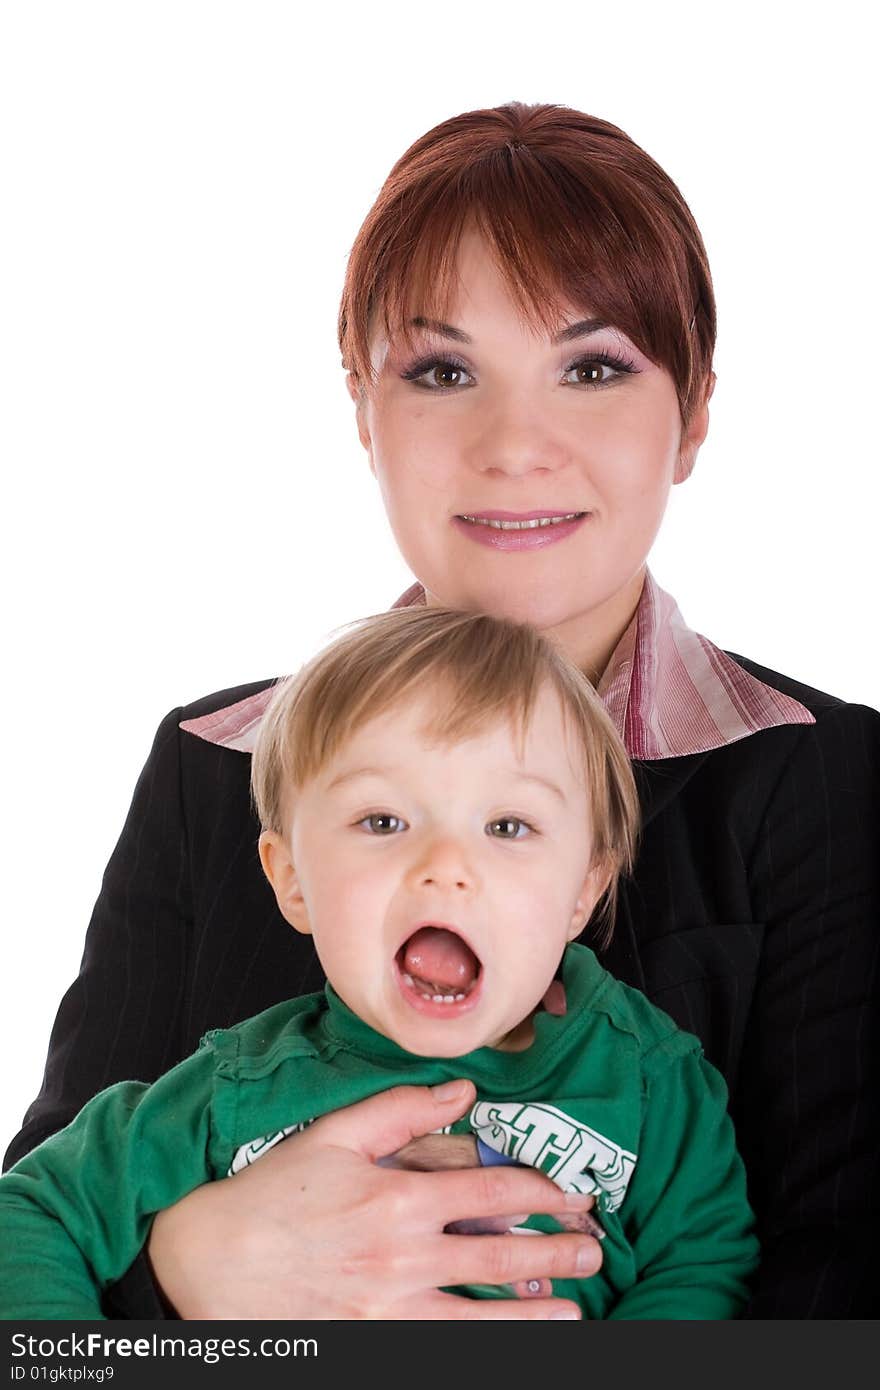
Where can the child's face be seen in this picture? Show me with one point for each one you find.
(457, 871)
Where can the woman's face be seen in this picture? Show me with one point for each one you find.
(493, 423)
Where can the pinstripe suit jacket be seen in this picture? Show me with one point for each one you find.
(753, 919)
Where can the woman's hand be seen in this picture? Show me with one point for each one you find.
(318, 1229)
(435, 1153)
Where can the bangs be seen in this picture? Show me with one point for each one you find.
(473, 671)
(573, 212)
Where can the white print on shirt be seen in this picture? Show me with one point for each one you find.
(577, 1158)
(573, 1155)
(249, 1153)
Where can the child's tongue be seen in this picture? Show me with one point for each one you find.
(438, 957)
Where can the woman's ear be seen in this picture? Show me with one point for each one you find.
(360, 401)
(278, 868)
(594, 885)
(693, 436)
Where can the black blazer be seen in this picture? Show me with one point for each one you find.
(753, 919)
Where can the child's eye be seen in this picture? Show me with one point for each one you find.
(508, 828)
(382, 823)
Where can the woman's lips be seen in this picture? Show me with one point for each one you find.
(518, 530)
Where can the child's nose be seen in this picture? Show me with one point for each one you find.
(445, 864)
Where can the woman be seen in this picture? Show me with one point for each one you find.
(528, 327)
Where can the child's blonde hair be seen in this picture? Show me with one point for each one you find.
(480, 669)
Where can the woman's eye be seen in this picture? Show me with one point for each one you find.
(508, 828)
(436, 374)
(440, 374)
(599, 370)
(382, 823)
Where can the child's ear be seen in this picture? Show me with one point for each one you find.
(594, 885)
(278, 868)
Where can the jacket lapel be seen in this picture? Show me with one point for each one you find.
(661, 780)
(658, 783)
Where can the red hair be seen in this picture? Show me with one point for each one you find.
(573, 210)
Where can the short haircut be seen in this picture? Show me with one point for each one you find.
(571, 207)
(482, 669)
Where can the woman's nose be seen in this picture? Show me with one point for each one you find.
(516, 439)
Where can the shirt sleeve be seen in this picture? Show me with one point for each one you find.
(685, 1212)
(807, 1107)
(75, 1212)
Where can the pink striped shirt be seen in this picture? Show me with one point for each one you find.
(669, 691)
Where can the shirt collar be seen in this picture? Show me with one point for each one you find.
(669, 691)
(584, 981)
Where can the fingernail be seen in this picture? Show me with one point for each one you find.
(448, 1090)
(586, 1259)
(566, 1315)
(579, 1200)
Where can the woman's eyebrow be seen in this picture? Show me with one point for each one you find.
(444, 329)
(582, 329)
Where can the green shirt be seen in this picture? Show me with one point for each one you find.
(612, 1098)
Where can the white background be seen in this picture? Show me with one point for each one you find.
(186, 505)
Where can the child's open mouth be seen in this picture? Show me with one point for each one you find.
(439, 973)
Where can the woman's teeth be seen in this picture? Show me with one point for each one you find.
(437, 998)
(522, 525)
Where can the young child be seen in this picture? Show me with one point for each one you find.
(444, 804)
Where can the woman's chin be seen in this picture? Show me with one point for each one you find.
(519, 604)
